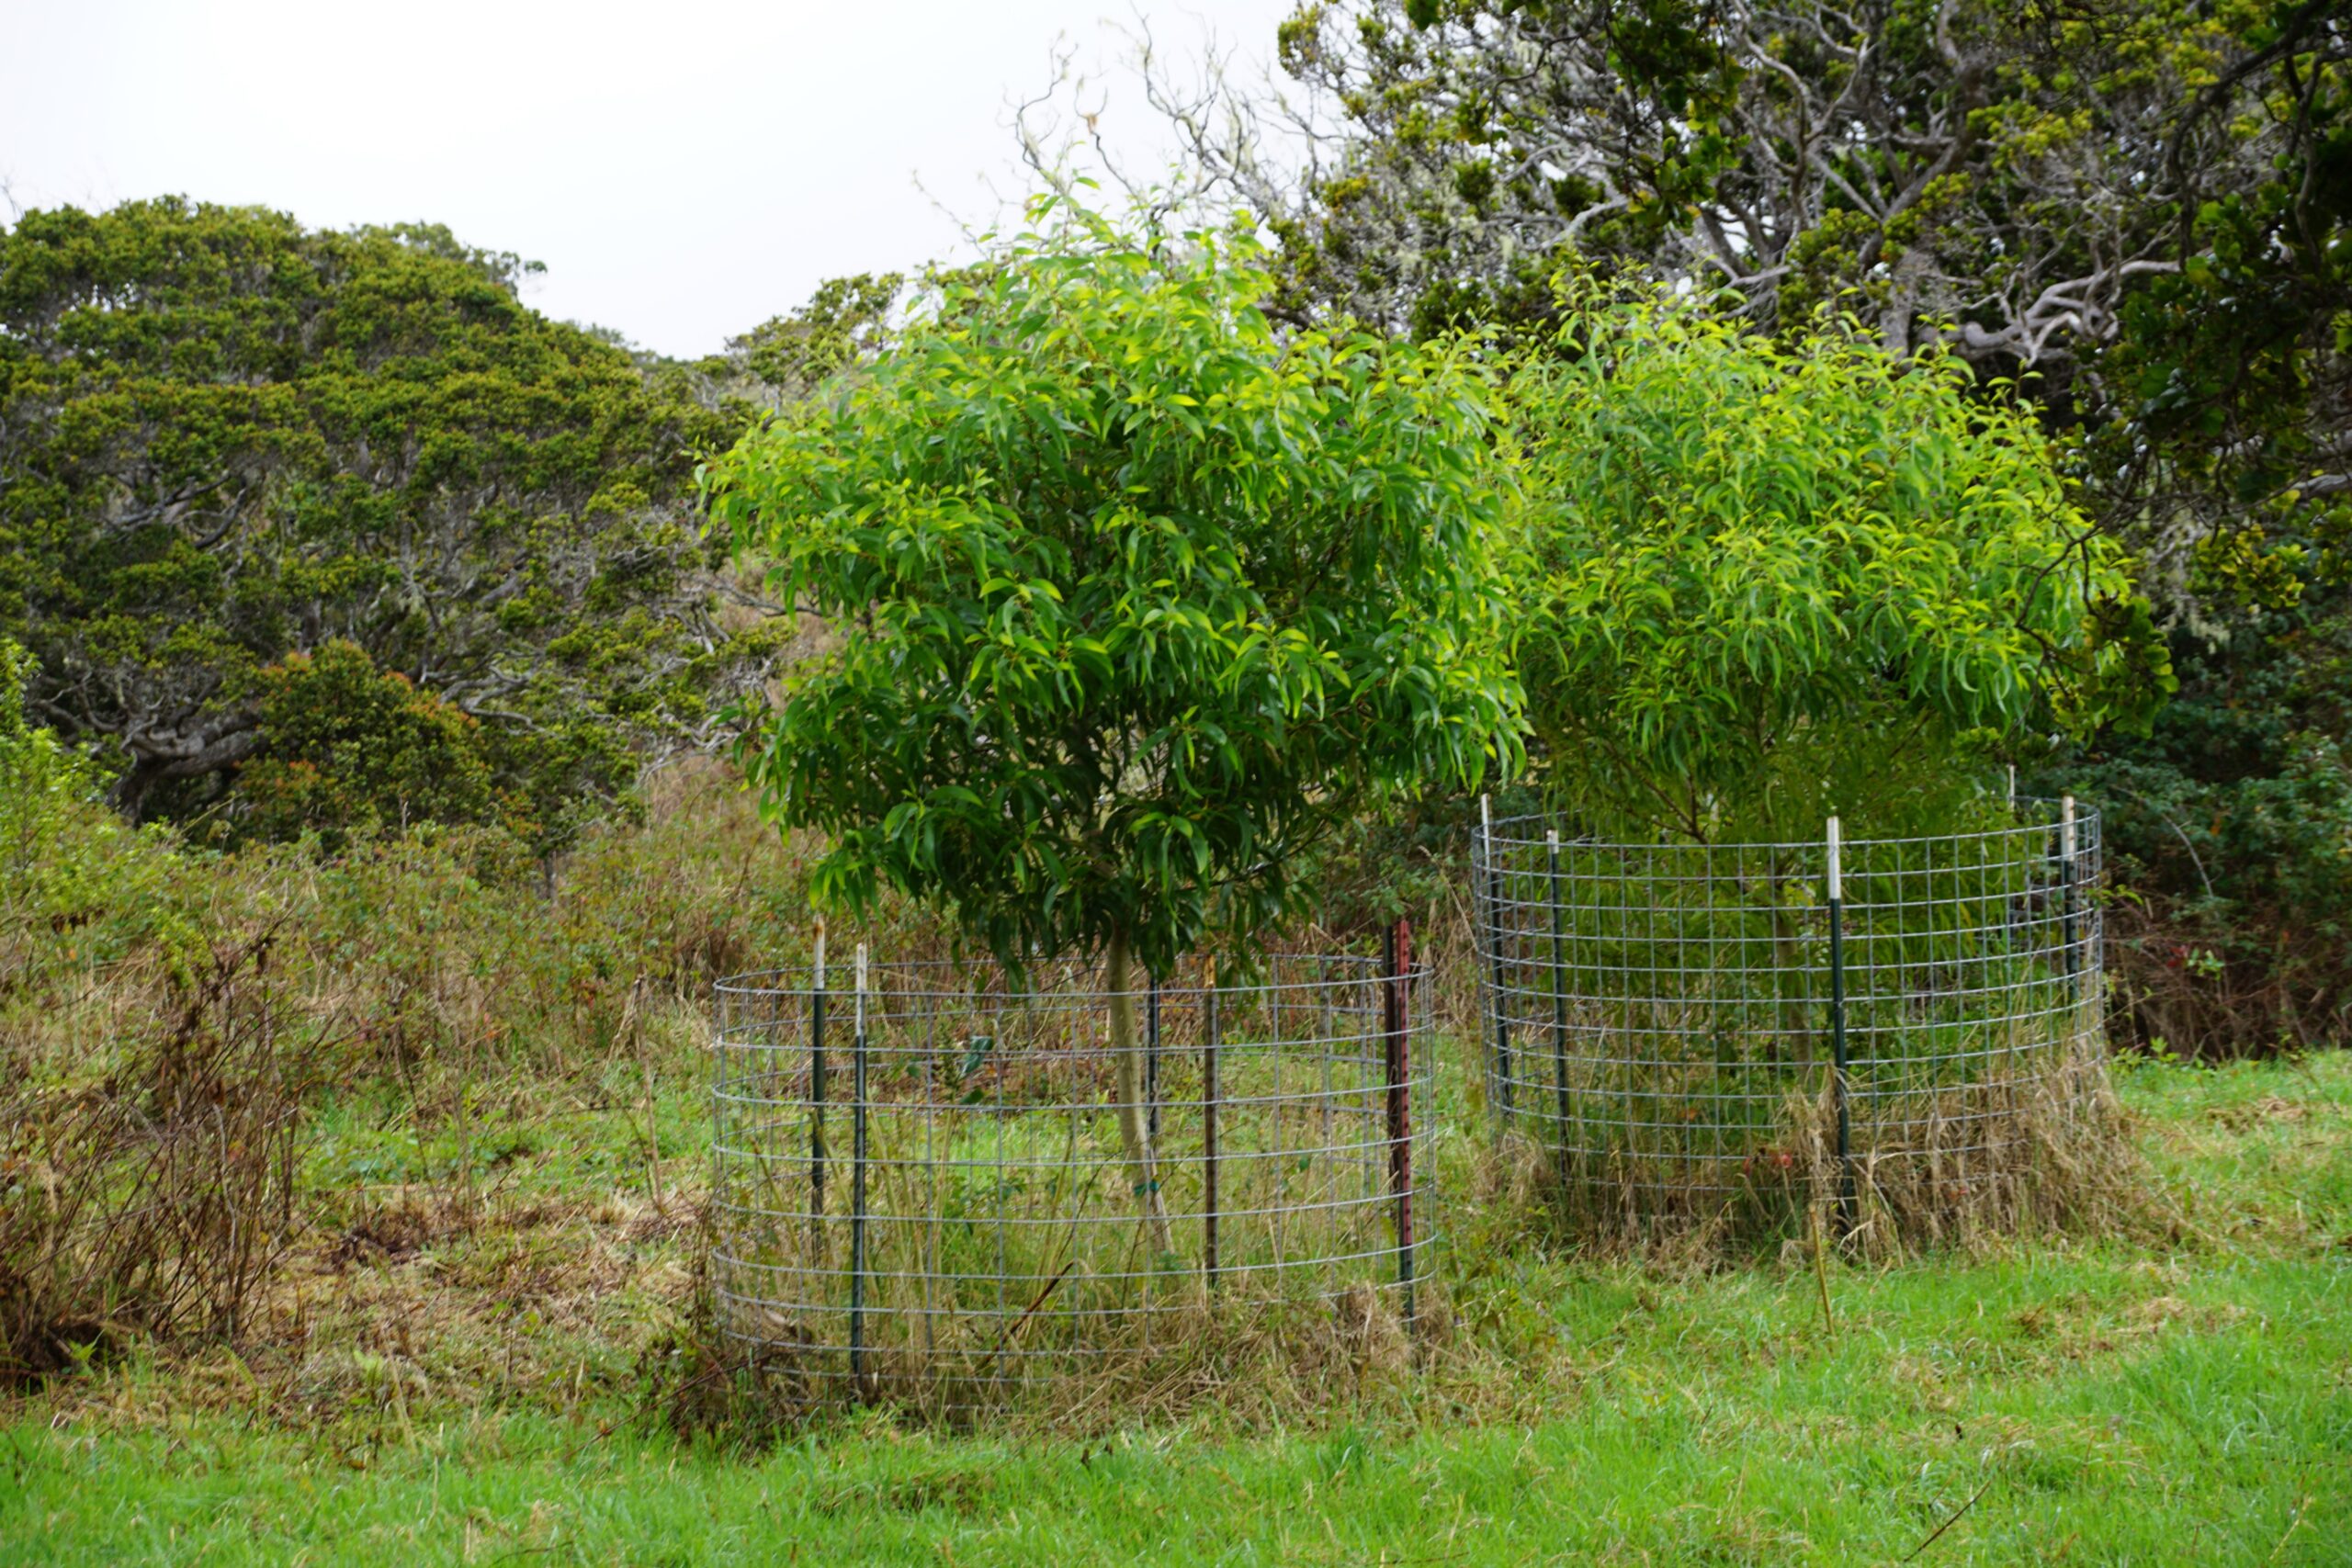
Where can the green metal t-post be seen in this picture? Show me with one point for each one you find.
(1559, 991)
(817, 1101)
(1838, 1025)
(857, 1195)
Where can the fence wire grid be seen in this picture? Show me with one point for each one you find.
(1690, 1032)
(923, 1193)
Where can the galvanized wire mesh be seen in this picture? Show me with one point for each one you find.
(922, 1194)
(1666, 1021)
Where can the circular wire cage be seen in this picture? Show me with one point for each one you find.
(924, 1192)
(1690, 1033)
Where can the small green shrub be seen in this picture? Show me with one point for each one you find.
(346, 746)
(78, 886)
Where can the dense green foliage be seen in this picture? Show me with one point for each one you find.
(2235, 820)
(1135, 601)
(225, 439)
(2130, 219)
(1771, 582)
(76, 884)
(847, 319)
(343, 745)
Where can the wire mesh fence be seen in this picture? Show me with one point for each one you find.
(925, 1193)
(1691, 1032)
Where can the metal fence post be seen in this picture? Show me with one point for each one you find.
(1209, 1093)
(817, 1100)
(1151, 1063)
(1400, 1104)
(1559, 991)
(2066, 845)
(1838, 1025)
(857, 1194)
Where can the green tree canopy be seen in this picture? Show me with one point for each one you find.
(2136, 217)
(1134, 599)
(845, 322)
(1773, 581)
(225, 439)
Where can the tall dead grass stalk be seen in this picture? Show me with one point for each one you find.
(153, 1189)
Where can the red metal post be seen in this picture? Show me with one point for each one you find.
(1398, 988)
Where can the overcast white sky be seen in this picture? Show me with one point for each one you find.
(685, 169)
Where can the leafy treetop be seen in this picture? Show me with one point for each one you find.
(1778, 580)
(346, 746)
(1135, 600)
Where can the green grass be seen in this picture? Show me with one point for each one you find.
(2102, 1402)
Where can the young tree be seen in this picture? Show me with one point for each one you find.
(1135, 601)
(1769, 582)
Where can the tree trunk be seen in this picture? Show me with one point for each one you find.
(1134, 1137)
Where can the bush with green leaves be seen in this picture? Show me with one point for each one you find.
(346, 746)
(2232, 823)
(1135, 600)
(78, 886)
(1771, 581)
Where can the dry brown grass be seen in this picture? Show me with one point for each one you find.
(1256, 1365)
(409, 1301)
(1980, 1167)
(153, 1190)
(2049, 1155)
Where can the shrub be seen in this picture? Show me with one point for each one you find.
(149, 1185)
(1767, 581)
(78, 887)
(346, 746)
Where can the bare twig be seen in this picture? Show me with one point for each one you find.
(1958, 1514)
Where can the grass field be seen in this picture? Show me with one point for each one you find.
(450, 1372)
